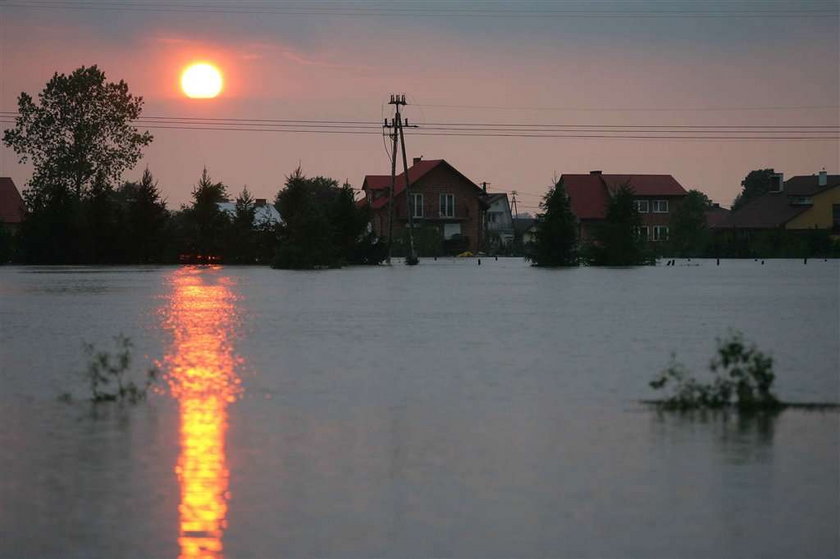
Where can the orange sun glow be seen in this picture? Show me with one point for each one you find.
(201, 81)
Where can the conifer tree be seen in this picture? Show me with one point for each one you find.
(556, 241)
(618, 241)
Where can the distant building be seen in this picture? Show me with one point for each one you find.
(12, 208)
(263, 211)
(441, 197)
(715, 216)
(800, 203)
(656, 198)
(498, 220)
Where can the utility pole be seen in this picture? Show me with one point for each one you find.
(397, 124)
(485, 230)
(393, 180)
(513, 194)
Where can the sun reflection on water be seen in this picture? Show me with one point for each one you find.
(200, 371)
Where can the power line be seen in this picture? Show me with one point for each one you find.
(509, 130)
(635, 109)
(345, 10)
(457, 125)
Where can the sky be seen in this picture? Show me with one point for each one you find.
(508, 71)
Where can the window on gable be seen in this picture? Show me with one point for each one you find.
(447, 205)
(415, 204)
(660, 206)
(641, 206)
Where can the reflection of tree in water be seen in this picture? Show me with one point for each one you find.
(742, 436)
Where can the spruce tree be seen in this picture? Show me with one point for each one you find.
(618, 241)
(556, 241)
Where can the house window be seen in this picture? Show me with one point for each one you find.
(642, 206)
(660, 233)
(642, 232)
(415, 204)
(835, 217)
(447, 205)
(660, 206)
(492, 217)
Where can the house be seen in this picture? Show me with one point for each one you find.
(716, 216)
(11, 205)
(525, 228)
(441, 198)
(264, 213)
(498, 220)
(655, 196)
(803, 202)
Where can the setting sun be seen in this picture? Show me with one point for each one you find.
(201, 81)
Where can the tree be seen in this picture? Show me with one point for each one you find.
(242, 245)
(304, 236)
(754, 184)
(689, 235)
(617, 240)
(5, 244)
(79, 130)
(556, 236)
(145, 219)
(79, 138)
(101, 224)
(206, 223)
(322, 226)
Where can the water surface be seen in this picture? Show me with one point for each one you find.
(446, 409)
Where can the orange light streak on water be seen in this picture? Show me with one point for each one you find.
(200, 371)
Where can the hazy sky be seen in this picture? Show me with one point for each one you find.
(652, 63)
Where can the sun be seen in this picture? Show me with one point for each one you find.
(201, 81)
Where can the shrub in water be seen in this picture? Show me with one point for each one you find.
(107, 374)
(743, 377)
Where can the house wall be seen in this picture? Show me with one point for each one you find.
(819, 215)
(442, 180)
(504, 219)
(587, 227)
(652, 219)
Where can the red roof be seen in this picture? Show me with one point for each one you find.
(415, 173)
(589, 193)
(11, 204)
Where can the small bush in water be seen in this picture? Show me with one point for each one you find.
(107, 374)
(743, 378)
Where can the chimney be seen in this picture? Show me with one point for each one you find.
(484, 186)
(823, 178)
(259, 202)
(595, 172)
(417, 160)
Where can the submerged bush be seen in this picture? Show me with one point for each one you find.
(107, 374)
(743, 378)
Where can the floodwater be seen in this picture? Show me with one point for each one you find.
(447, 410)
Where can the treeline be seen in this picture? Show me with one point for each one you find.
(321, 226)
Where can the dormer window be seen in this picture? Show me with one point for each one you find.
(777, 182)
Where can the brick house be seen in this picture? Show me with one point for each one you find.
(656, 197)
(441, 198)
(11, 204)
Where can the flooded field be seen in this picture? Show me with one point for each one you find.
(448, 409)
